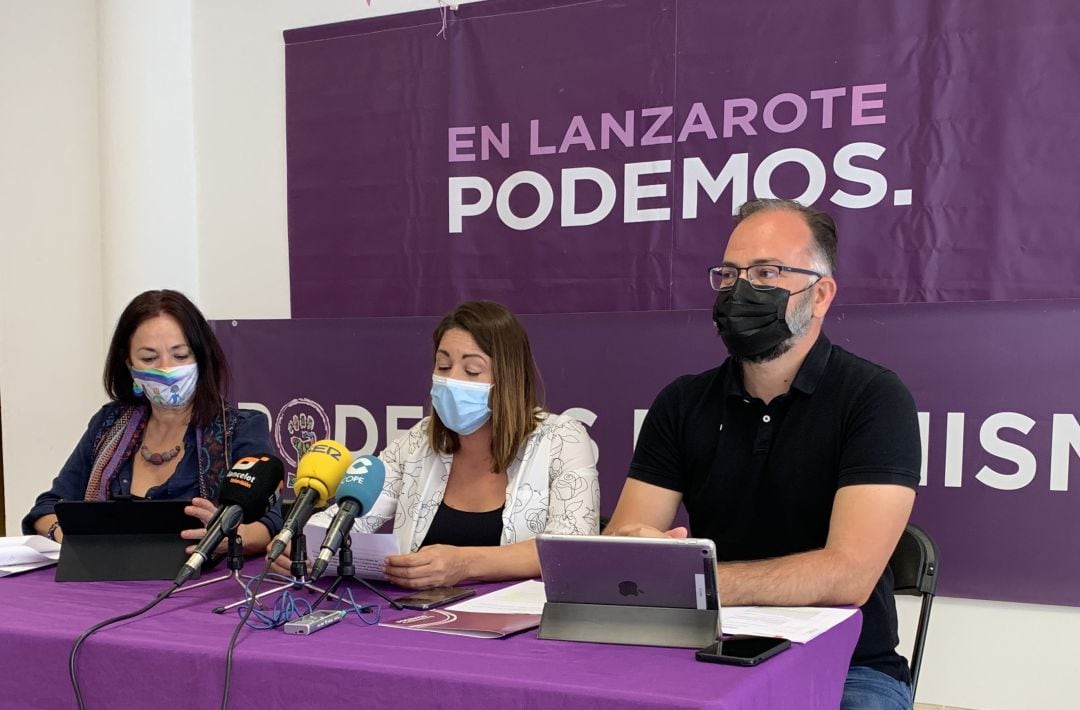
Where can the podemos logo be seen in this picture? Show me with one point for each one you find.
(297, 426)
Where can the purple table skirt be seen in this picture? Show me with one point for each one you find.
(174, 657)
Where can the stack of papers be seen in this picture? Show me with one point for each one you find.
(522, 598)
(27, 552)
(798, 624)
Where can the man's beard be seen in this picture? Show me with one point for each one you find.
(798, 323)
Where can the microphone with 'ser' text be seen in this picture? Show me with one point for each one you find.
(317, 477)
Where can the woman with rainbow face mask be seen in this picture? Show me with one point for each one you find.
(167, 433)
(472, 484)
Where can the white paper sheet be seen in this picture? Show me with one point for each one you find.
(523, 598)
(369, 550)
(26, 552)
(796, 623)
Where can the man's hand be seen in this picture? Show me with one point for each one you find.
(641, 530)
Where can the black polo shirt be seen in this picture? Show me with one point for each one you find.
(759, 480)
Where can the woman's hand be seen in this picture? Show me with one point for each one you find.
(283, 566)
(49, 524)
(434, 566)
(202, 510)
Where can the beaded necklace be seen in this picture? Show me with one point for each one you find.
(163, 457)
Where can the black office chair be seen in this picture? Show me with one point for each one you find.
(914, 565)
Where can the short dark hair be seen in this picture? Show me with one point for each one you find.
(213, 381)
(516, 393)
(822, 227)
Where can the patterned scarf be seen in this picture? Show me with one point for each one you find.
(121, 436)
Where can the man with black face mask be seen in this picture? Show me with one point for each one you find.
(797, 458)
(754, 323)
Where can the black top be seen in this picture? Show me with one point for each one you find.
(759, 480)
(456, 527)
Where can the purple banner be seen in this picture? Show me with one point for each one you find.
(586, 156)
(994, 383)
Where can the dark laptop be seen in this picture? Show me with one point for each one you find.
(122, 539)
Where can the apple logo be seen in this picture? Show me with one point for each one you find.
(629, 589)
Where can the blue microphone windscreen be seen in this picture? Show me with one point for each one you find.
(363, 482)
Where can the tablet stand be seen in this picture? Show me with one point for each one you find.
(122, 539)
(299, 574)
(634, 625)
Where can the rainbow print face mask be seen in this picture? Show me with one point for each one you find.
(172, 387)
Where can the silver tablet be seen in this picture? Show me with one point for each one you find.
(630, 571)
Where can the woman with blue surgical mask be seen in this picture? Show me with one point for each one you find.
(167, 433)
(472, 484)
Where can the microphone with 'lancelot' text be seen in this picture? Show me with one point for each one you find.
(358, 491)
(249, 490)
(317, 477)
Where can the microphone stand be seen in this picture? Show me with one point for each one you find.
(235, 564)
(299, 574)
(345, 570)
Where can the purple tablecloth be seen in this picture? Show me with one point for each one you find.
(174, 657)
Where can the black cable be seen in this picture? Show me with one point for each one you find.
(253, 586)
(97, 627)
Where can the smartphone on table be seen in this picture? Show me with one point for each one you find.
(742, 650)
(425, 599)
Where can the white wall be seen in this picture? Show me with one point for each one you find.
(51, 333)
(995, 656)
(217, 138)
(147, 151)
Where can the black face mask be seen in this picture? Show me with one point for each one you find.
(751, 323)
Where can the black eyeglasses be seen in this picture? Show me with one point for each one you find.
(763, 277)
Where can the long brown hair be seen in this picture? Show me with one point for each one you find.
(213, 381)
(515, 395)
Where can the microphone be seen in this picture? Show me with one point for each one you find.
(249, 490)
(317, 477)
(358, 491)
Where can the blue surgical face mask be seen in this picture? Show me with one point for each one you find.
(462, 406)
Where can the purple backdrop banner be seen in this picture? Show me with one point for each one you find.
(586, 156)
(995, 384)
